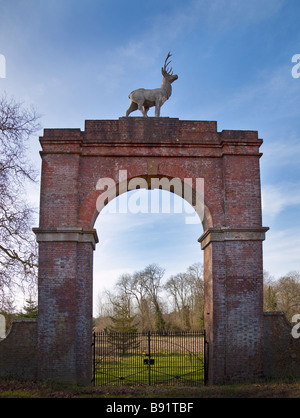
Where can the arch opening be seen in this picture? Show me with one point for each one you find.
(143, 227)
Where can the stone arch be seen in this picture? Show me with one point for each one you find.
(89, 209)
(73, 161)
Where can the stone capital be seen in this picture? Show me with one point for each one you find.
(67, 235)
(232, 234)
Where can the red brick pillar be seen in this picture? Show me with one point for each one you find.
(234, 266)
(65, 304)
(233, 302)
(215, 307)
(65, 264)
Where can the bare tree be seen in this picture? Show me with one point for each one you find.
(144, 288)
(179, 289)
(18, 260)
(282, 294)
(150, 279)
(196, 282)
(187, 292)
(269, 293)
(288, 294)
(133, 285)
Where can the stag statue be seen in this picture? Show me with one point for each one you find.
(143, 99)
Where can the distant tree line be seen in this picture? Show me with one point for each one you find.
(282, 294)
(29, 310)
(143, 301)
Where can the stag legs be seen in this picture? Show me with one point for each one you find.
(133, 106)
(143, 109)
(157, 111)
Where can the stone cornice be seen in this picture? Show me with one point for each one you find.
(67, 235)
(232, 234)
(137, 136)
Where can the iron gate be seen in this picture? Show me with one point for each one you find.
(150, 358)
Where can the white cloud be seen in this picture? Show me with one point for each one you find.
(228, 14)
(282, 152)
(273, 95)
(281, 248)
(277, 198)
(217, 14)
(281, 251)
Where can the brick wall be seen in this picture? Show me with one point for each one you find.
(18, 351)
(281, 350)
(281, 353)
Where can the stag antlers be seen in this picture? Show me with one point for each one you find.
(164, 69)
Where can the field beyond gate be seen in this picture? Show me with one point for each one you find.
(150, 358)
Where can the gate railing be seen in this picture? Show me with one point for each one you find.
(150, 358)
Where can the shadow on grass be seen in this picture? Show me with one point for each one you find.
(288, 388)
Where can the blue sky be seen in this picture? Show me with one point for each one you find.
(78, 60)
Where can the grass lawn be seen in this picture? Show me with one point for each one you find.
(165, 368)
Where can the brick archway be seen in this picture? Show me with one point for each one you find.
(73, 161)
